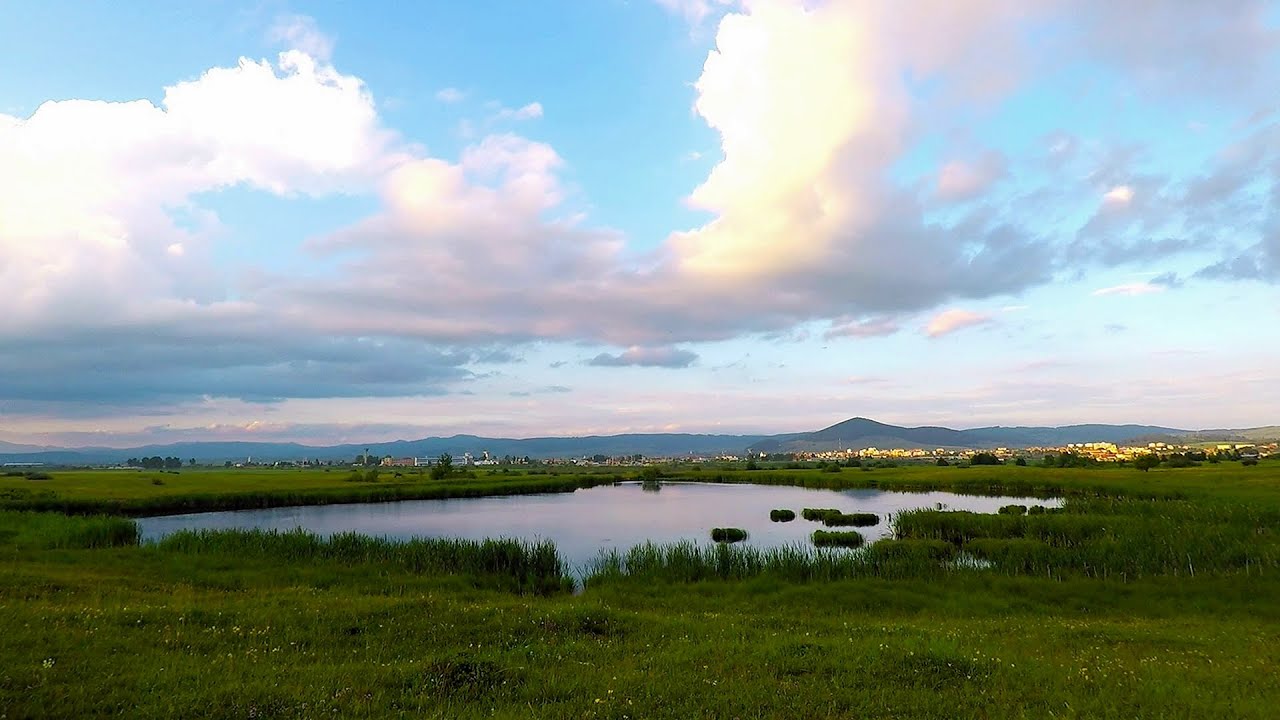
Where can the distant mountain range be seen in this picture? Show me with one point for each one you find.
(857, 433)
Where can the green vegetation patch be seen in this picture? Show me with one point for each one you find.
(728, 535)
(838, 538)
(782, 515)
(862, 519)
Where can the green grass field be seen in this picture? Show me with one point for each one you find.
(1150, 595)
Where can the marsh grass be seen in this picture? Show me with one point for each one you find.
(728, 535)
(514, 564)
(839, 538)
(30, 530)
(851, 520)
(819, 514)
(782, 515)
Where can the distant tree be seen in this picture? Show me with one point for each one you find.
(1146, 462)
(1020, 462)
(984, 458)
(192, 462)
(1048, 461)
(1249, 461)
(942, 462)
(443, 467)
(853, 463)
(227, 464)
(752, 464)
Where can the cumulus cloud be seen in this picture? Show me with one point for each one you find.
(92, 193)
(814, 113)
(950, 321)
(666, 357)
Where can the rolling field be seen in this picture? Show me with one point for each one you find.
(1149, 595)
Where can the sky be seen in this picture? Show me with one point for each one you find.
(346, 222)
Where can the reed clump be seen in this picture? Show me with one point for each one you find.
(838, 538)
(782, 515)
(819, 514)
(527, 567)
(728, 535)
(851, 520)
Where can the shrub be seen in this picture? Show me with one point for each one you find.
(782, 515)
(838, 538)
(942, 462)
(1249, 461)
(851, 520)
(1037, 510)
(832, 468)
(1014, 510)
(157, 481)
(728, 535)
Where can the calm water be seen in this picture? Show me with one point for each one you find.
(581, 523)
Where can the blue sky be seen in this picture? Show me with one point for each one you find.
(329, 222)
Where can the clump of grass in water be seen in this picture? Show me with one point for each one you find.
(782, 515)
(819, 514)
(838, 538)
(851, 520)
(1013, 510)
(728, 535)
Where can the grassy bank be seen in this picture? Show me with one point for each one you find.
(1148, 595)
(227, 632)
(136, 493)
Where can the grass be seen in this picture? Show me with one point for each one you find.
(95, 492)
(728, 535)
(782, 515)
(509, 564)
(1148, 595)
(851, 520)
(819, 514)
(838, 538)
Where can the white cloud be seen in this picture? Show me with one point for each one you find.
(90, 190)
(950, 321)
(450, 95)
(695, 11)
(300, 32)
(1130, 289)
(1118, 196)
(531, 111)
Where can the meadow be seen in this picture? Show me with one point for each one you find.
(1148, 595)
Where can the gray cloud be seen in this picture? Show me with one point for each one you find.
(666, 357)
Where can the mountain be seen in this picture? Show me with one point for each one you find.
(8, 447)
(651, 445)
(856, 433)
(861, 433)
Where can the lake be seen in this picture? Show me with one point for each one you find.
(583, 522)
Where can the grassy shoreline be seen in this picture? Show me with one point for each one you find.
(1153, 597)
